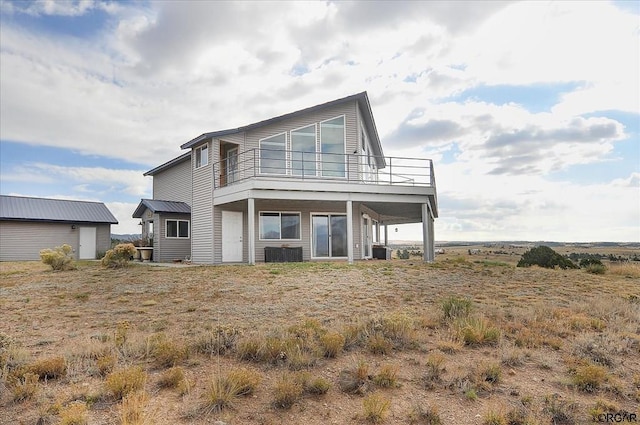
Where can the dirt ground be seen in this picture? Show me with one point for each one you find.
(553, 328)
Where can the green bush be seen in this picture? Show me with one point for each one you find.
(59, 258)
(403, 254)
(588, 261)
(119, 256)
(544, 256)
(596, 268)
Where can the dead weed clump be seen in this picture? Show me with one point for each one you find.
(218, 341)
(48, 368)
(76, 413)
(122, 382)
(476, 331)
(355, 380)
(434, 370)
(425, 416)
(287, 390)
(174, 378)
(223, 390)
(375, 407)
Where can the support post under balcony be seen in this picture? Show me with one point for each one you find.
(350, 232)
(427, 233)
(251, 230)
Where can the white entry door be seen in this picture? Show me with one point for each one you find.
(232, 236)
(87, 249)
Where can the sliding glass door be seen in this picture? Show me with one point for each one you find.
(329, 235)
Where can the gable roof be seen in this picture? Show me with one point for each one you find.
(57, 210)
(161, 206)
(361, 98)
(169, 164)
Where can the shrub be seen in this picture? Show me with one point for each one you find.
(454, 307)
(430, 416)
(25, 387)
(318, 386)
(332, 344)
(494, 417)
(387, 377)
(590, 377)
(546, 257)
(217, 341)
(119, 256)
(223, 390)
(287, 391)
(379, 344)
(435, 368)
(49, 368)
(477, 331)
(168, 353)
(403, 254)
(74, 414)
(244, 381)
(376, 407)
(132, 410)
(105, 364)
(588, 261)
(356, 380)
(173, 378)
(59, 258)
(125, 381)
(596, 268)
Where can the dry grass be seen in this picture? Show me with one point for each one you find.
(536, 345)
(375, 407)
(122, 382)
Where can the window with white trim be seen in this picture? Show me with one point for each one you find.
(279, 226)
(332, 147)
(303, 151)
(202, 156)
(177, 229)
(273, 154)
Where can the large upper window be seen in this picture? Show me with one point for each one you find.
(332, 147)
(177, 228)
(303, 151)
(277, 225)
(273, 154)
(202, 156)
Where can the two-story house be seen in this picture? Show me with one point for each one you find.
(314, 182)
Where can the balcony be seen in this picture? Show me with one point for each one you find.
(297, 166)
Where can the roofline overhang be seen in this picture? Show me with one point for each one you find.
(184, 157)
(361, 98)
(47, 220)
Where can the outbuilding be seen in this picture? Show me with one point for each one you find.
(28, 225)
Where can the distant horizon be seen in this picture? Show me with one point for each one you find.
(418, 242)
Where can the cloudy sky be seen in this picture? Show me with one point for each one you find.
(530, 110)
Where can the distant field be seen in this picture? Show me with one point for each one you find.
(467, 339)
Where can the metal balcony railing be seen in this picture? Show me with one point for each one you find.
(297, 165)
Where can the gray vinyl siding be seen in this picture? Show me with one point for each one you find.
(174, 184)
(22, 240)
(305, 208)
(103, 237)
(169, 249)
(202, 211)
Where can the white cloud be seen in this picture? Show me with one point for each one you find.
(122, 212)
(164, 72)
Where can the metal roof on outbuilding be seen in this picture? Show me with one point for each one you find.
(161, 206)
(19, 208)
